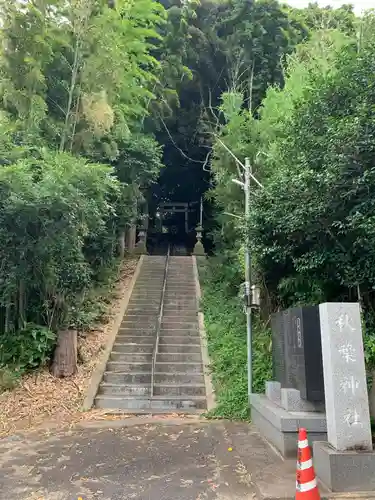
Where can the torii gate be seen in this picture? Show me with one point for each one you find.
(176, 207)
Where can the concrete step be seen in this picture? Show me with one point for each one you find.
(144, 289)
(137, 332)
(119, 366)
(181, 316)
(178, 378)
(148, 286)
(153, 283)
(180, 299)
(142, 314)
(127, 378)
(178, 339)
(180, 290)
(131, 357)
(133, 347)
(179, 357)
(145, 390)
(179, 325)
(149, 291)
(157, 403)
(144, 294)
(172, 332)
(181, 403)
(173, 305)
(144, 297)
(134, 325)
(183, 304)
(172, 301)
(170, 288)
(141, 319)
(179, 390)
(178, 367)
(140, 324)
(144, 300)
(125, 389)
(130, 338)
(138, 303)
(155, 279)
(179, 348)
(144, 310)
(177, 311)
(178, 280)
(151, 280)
(173, 281)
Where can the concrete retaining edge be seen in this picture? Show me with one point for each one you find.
(210, 393)
(99, 370)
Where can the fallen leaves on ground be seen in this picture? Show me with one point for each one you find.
(43, 399)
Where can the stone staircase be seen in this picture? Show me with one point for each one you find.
(156, 361)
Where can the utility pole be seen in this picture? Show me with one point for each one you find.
(252, 292)
(248, 288)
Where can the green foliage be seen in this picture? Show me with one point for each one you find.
(325, 160)
(225, 325)
(49, 208)
(232, 46)
(9, 379)
(139, 161)
(93, 306)
(315, 17)
(27, 348)
(77, 80)
(312, 146)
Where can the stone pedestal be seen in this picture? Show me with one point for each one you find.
(273, 392)
(279, 426)
(199, 248)
(291, 401)
(141, 246)
(344, 471)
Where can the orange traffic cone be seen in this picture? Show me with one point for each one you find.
(306, 485)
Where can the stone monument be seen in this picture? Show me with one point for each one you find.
(298, 341)
(296, 397)
(345, 462)
(141, 245)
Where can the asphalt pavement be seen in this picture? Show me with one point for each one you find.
(174, 460)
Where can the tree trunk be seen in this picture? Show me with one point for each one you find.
(72, 87)
(65, 357)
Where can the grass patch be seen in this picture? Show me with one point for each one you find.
(225, 325)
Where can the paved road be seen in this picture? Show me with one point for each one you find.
(170, 461)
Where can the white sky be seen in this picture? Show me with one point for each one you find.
(359, 5)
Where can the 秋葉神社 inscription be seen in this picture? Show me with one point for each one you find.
(347, 408)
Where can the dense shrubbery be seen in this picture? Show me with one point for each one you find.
(49, 207)
(76, 85)
(312, 146)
